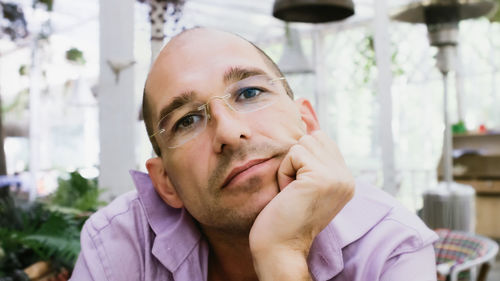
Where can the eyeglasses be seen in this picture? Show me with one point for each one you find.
(247, 95)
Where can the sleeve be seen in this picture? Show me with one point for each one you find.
(411, 266)
(89, 265)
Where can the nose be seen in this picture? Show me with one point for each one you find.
(222, 98)
(228, 127)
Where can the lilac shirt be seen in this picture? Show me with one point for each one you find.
(139, 237)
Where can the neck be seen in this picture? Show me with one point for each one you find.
(230, 257)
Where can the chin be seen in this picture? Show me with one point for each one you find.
(242, 216)
(259, 200)
(238, 209)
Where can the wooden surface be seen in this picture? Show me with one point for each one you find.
(487, 144)
(488, 216)
(487, 206)
(484, 187)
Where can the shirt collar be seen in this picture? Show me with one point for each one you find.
(176, 233)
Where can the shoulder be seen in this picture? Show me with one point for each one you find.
(125, 212)
(119, 229)
(393, 240)
(115, 235)
(373, 216)
(368, 235)
(128, 239)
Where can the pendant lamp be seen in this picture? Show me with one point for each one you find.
(313, 11)
(293, 60)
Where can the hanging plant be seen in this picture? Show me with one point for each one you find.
(496, 16)
(74, 55)
(49, 4)
(15, 26)
(161, 12)
(23, 70)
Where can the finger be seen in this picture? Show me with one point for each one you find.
(327, 143)
(292, 162)
(322, 147)
(313, 146)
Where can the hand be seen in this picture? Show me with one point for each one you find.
(315, 185)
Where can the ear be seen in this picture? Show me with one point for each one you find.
(308, 115)
(162, 183)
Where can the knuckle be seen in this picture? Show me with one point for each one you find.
(318, 134)
(297, 149)
(294, 148)
(306, 139)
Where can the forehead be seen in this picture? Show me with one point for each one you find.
(196, 61)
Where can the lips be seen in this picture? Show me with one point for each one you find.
(240, 169)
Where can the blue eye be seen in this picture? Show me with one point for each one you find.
(249, 93)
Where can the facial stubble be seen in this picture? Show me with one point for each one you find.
(237, 218)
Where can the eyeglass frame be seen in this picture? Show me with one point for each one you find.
(206, 107)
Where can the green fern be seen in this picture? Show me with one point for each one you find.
(31, 233)
(77, 192)
(58, 238)
(48, 229)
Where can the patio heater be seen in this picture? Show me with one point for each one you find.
(450, 205)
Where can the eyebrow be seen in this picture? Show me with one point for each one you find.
(179, 101)
(237, 73)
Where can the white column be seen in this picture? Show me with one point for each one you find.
(459, 84)
(320, 95)
(384, 82)
(34, 133)
(117, 109)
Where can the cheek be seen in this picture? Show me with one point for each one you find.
(187, 169)
(281, 123)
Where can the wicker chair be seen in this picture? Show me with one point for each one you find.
(459, 254)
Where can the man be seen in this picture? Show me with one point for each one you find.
(245, 185)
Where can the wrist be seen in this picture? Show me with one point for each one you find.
(281, 263)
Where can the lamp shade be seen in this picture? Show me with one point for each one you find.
(293, 60)
(313, 11)
(444, 11)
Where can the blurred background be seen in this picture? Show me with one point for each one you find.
(72, 74)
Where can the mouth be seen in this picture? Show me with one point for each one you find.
(239, 173)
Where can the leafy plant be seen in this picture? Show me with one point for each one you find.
(75, 55)
(20, 102)
(46, 230)
(31, 233)
(367, 62)
(77, 193)
(23, 70)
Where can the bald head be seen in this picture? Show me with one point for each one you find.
(187, 55)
